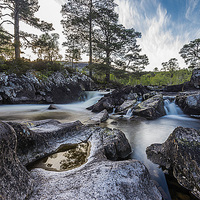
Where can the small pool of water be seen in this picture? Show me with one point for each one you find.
(67, 157)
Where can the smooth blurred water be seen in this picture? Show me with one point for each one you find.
(64, 113)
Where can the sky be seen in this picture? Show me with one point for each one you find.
(165, 25)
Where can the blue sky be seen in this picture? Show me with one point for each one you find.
(166, 25)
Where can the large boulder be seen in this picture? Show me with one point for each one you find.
(59, 87)
(151, 108)
(117, 98)
(15, 180)
(98, 178)
(180, 153)
(39, 138)
(195, 79)
(189, 102)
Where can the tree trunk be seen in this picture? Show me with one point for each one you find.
(16, 30)
(90, 41)
(107, 67)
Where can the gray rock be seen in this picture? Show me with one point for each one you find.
(37, 139)
(52, 107)
(117, 97)
(101, 117)
(126, 105)
(195, 79)
(189, 102)
(15, 180)
(59, 87)
(127, 180)
(180, 153)
(116, 145)
(131, 96)
(151, 108)
(149, 95)
(99, 178)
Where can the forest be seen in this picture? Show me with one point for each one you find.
(91, 28)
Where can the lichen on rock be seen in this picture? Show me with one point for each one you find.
(180, 153)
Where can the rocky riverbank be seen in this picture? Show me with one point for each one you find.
(37, 88)
(105, 175)
(180, 154)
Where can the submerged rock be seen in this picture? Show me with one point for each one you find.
(180, 153)
(52, 107)
(67, 157)
(15, 180)
(151, 108)
(189, 102)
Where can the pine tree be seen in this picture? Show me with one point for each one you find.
(116, 44)
(191, 53)
(22, 10)
(78, 22)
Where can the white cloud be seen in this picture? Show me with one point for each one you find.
(158, 41)
(193, 11)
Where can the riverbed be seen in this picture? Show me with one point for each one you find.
(140, 133)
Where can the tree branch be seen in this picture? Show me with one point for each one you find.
(7, 33)
(8, 21)
(5, 15)
(6, 6)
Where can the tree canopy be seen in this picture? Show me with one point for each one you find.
(171, 66)
(191, 53)
(46, 46)
(6, 46)
(92, 26)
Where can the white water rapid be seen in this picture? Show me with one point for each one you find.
(171, 108)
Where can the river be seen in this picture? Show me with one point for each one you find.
(140, 133)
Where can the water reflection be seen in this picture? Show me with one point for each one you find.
(68, 157)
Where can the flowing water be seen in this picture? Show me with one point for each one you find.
(140, 133)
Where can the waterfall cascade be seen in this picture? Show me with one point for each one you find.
(128, 113)
(171, 108)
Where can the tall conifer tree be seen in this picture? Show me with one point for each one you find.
(22, 10)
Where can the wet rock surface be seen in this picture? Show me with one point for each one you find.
(151, 108)
(98, 178)
(180, 153)
(100, 117)
(37, 139)
(15, 181)
(59, 87)
(189, 102)
(118, 97)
